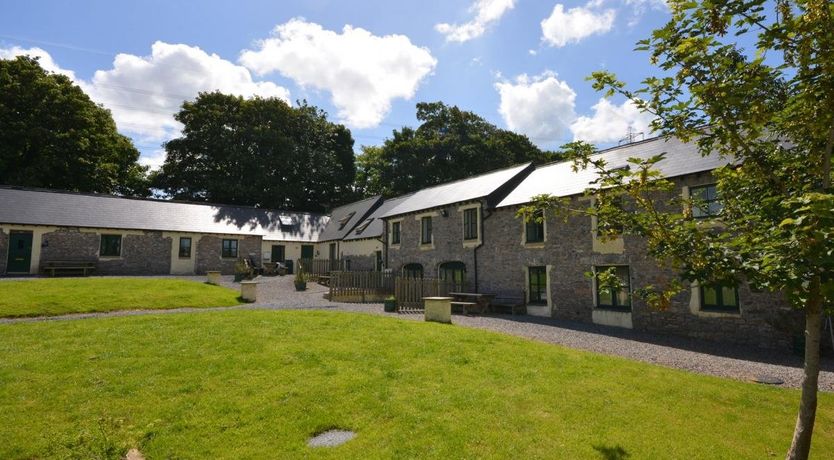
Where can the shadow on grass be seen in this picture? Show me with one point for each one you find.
(612, 452)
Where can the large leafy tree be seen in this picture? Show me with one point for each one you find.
(259, 152)
(52, 135)
(449, 144)
(771, 110)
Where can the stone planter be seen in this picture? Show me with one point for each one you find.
(438, 309)
(213, 277)
(249, 290)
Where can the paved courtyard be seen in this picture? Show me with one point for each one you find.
(742, 363)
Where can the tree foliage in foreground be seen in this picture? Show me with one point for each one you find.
(449, 144)
(772, 111)
(52, 135)
(259, 152)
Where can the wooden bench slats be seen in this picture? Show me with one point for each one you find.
(52, 267)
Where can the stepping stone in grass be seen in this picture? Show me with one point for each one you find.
(331, 438)
(768, 380)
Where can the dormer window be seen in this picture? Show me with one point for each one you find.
(344, 220)
(361, 228)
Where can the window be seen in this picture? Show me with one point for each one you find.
(229, 249)
(307, 251)
(185, 247)
(533, 230)
(612, 296)
(607, 225)
(453, 271)
(706, 202)
(278, 253)
(537, 285)
(333, 253)
(470, 224)
(111, 246)
(395, 233)
(361, 228)
(413, 270)
(425, 230)
(344, 220)
(719, 298)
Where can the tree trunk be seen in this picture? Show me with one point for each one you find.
(801, 445)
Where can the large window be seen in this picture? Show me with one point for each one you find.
(229, 249)
(413, 270)
(537, 285)
(185, 247)
(470, 224)
(534, 228)
(453, 271)
(425, 230)
(395, 233)
(111, 246)
(614, 295)
(706, 201)
(278, 253)
(719, 298)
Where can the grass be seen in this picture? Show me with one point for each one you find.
(48, 297)
(257, 384)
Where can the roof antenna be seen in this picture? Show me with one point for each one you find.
(631, 136)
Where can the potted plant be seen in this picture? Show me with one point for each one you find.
(390, 304)
(242, 271)
(300, 280)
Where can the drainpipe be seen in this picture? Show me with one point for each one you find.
(486, 216)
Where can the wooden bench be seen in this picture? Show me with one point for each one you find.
(512, 301)
(463, 305)
(53, 267)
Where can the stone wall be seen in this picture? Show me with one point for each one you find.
(447, 247)
(4, 250)
(209, 250)
(148, 253)
(359, 263)
(765, 320)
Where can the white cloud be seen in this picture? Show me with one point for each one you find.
(154, 159)
(564, 27)
(487, 12)
(362, 72)
(44, 59)
(541, 107)
(144, 92)
(611, 122)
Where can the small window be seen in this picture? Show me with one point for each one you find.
(537, 285)
(425, 230)
(614, 297)
(344, 220)
(185, 247)
(333, 254)
(706, 202)
(470, 224)
(229, 249)
(361, 228)
(395, 233)
(719, 298)
(413, 270)
(534, 228)
(605, 226)
(454, 272)
(111, 246)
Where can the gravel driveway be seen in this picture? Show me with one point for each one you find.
(723, 360)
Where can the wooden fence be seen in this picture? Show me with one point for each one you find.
(410, 291)
(361, 286)
(316, 267)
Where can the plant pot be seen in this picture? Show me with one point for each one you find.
(390, 305)
(238, 277)
(300, 285)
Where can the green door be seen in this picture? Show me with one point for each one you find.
(306, 251)
(20, 252)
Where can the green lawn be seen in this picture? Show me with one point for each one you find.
(256, 384)
(58, 296)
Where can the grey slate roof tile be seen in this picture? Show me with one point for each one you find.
(345, 218)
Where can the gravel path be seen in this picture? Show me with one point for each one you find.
(737, 362)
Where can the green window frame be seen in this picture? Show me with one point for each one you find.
(229, 249)
(111, 246)
(537, 285)
(453, 271)
(533, 230)
(707, 202)
(425, 230)
(719, 298)
(395, 232)
(185, 247)
(470, 224)
(413, 270)
(612, 297)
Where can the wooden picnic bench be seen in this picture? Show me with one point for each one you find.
(511, 300)
(83, 267)
(471, 301)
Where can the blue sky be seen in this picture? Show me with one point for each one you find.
(521, 64)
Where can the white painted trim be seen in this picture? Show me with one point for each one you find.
(598, 245)
(461, 209)
(695, 304)
(524, 242)
(390, 230)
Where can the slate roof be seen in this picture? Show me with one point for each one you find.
(345, 218)
(373, 225)
(458, 191)
(47, 207)
(558, 179)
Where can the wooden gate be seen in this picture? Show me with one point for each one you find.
(409, 292)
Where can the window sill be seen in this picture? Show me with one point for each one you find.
(533, 245)
(184, 257)
(109, 257)
(614, 309)
(718, 313)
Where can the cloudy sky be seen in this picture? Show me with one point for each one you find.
(522, 64)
